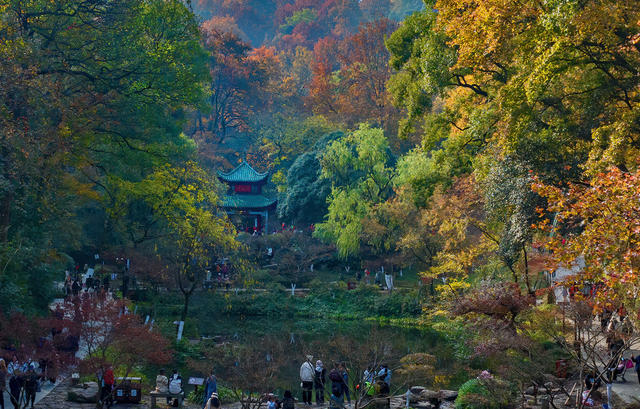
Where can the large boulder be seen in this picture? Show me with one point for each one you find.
(447, 395)
(422, 394)
(429, 395)
(84, 393)
(400, 402)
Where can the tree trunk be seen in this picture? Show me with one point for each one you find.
(185, 309)
(5, 216)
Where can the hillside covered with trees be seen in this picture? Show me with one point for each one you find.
(484, 154)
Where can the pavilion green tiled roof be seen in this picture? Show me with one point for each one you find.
(242, 173)
(247, 201)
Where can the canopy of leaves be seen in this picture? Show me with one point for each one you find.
(92, 91)
(599, 222)
(360, 168)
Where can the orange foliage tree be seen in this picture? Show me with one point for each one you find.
(599, 221)
(237, 81)
(350, 76)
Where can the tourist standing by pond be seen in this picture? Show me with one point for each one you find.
(319, 381)
(345, 382)
(384, 378)
(338, 385)
(307, 374)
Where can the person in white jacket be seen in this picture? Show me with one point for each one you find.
(307, 373)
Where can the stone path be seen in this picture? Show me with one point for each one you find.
(629, 392)
(45, 389)
(57, 399)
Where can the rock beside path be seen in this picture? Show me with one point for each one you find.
(447, 395)
(420, 398)
(84, 393)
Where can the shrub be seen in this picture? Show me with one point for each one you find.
(487, 393)
(225, 395)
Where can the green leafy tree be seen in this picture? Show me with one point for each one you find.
(360, 168)
(305, 197)
(180, 203)
(92, 90)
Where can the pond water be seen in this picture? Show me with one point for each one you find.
(331, 341)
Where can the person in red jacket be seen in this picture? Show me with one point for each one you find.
(107, 389)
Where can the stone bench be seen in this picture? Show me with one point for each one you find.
(155, 395)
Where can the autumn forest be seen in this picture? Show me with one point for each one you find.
(483, 153)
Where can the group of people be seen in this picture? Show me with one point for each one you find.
(313, 378)
(172, 385)
(90, 286)
(22, 379)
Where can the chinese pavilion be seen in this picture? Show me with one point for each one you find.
(244, 202)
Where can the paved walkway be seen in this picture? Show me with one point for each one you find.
(46, 388)
(629, 391)
(57, 399)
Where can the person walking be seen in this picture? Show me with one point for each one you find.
(345, 382)
(307, 373)
(319, 381)
(3, 381)
(210, 387)
(109, 381)
(30, 387)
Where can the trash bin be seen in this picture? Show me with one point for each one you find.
(561, 368)
(128, 390)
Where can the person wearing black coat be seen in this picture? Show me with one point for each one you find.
(31, 387)
(15, 387)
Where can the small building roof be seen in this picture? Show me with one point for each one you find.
(247, 202)
(242, 173)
